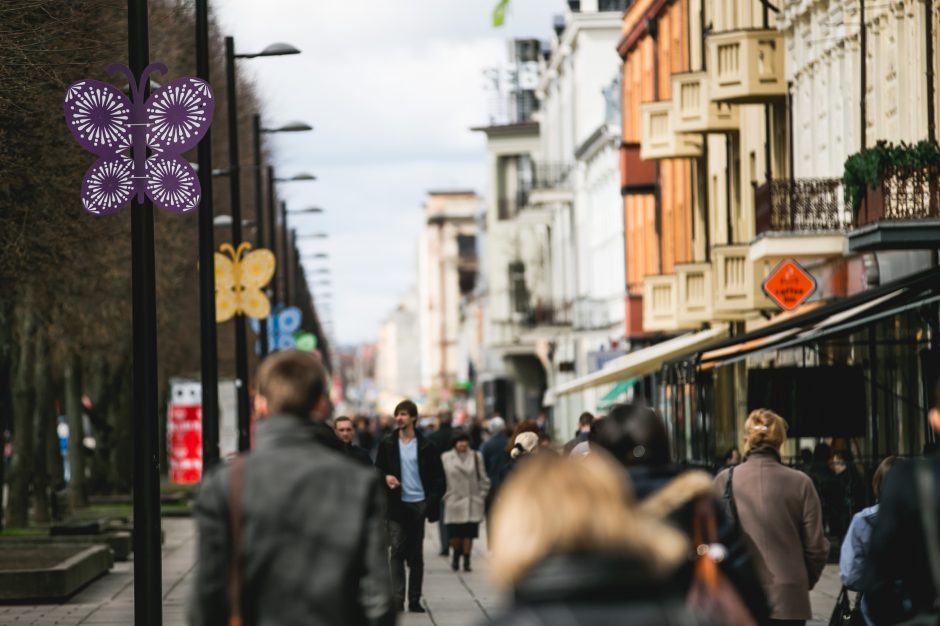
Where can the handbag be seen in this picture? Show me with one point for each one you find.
(844, 613)
(711, 592)
(928, 517)
(726, 501)
(234, 565)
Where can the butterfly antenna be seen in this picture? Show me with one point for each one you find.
(145, 75)
(120, 68)
(243, 247)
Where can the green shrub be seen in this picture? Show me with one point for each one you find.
(867, 168)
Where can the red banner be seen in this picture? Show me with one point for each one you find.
(185, 439)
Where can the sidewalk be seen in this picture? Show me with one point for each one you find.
(453, 599)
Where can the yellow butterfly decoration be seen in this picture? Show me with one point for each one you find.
(239, 278)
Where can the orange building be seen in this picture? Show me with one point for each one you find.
(657, 195)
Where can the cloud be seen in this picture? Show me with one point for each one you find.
(392, 88)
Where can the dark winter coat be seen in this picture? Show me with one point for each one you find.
(312, 541)
(388, 462)
(897, 571)
(671, 493)
(597, 589)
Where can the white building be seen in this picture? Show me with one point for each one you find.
(446, 270)
(577, 192)
(398, 362)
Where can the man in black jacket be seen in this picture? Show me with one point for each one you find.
(345, 431)
(898, 583)
(414, 478)
(292, 496)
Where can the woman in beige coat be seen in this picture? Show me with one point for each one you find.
(780, 517)
(464, 500)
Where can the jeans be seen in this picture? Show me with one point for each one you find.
(406, 542)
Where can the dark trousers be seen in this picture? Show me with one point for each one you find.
(787, 622)
(406, 541)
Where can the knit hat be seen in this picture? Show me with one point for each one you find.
(525, 443)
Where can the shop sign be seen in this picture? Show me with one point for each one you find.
(789, 285)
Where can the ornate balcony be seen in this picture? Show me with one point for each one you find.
(696, 293)
(800, 217)
(694, 110)
(901, 214)
(746, 66)
(737, 285)
(658, 137)
(549, 314)
(660, 302)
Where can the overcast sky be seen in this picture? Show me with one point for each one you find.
(392, 88)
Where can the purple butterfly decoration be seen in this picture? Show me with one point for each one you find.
(139, 142)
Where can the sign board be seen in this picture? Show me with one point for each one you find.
(789, 285)
(184, 433)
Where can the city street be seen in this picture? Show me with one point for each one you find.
(452, 599)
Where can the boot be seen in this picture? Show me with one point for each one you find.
(455, 559)
(466, 563)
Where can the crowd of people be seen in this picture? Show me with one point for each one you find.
(324, 522)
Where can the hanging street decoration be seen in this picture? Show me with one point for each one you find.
(789, 285)
(239, 278)
(283, 326)
(306, 342)
(121, 131)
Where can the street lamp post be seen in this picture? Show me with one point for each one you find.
(241, 348)
(272, 222)
(257, 129)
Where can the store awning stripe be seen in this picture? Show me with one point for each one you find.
(618, 389)
(642, 362)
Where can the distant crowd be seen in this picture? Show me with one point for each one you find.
(324, 521)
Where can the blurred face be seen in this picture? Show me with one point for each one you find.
(837, 464)
(404, 420)
(462, 446)
(344, 430)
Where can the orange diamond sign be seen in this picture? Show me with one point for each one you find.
(789, 285)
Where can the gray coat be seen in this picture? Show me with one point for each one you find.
(312, 545)
(781, 520)
(467, 486)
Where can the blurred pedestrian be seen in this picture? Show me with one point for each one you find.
(262, 520)
(898, 583)
(568, 542)
(364, 434)
(414, 479)
(636, 437)
(526, 444)
(495, 458)
(730, 458)
(855, 547)
(850, 490)
(441, 438)
(827, 488)
(780, 517)
(465, 498)
(584, 429)
(346, 433)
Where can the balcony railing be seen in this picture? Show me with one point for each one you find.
(549, 314)
(551, 175)
(904, 194)
(801, 205)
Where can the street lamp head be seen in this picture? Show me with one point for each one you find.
(309, 209)
(313, 236)
(226, 220)
(296, 177)
(290, 127)
(278, 49)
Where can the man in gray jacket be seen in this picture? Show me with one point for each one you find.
(310, 532)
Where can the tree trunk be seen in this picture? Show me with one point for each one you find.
(23, 400)
(78, 497)
(6, 392)
(41, 416)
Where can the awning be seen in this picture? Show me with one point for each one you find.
(616, 391)
(836, 317)
(642, 362)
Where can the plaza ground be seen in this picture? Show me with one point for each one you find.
(461, 599)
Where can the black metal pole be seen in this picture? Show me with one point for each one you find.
(259, 216)
(290, 276)
(148, 586)
(207, 323)
(241, 349)
(284, 252)
(272, 228)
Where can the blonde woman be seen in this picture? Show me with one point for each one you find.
(465, 498)
(780, 517)
(567, 540)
